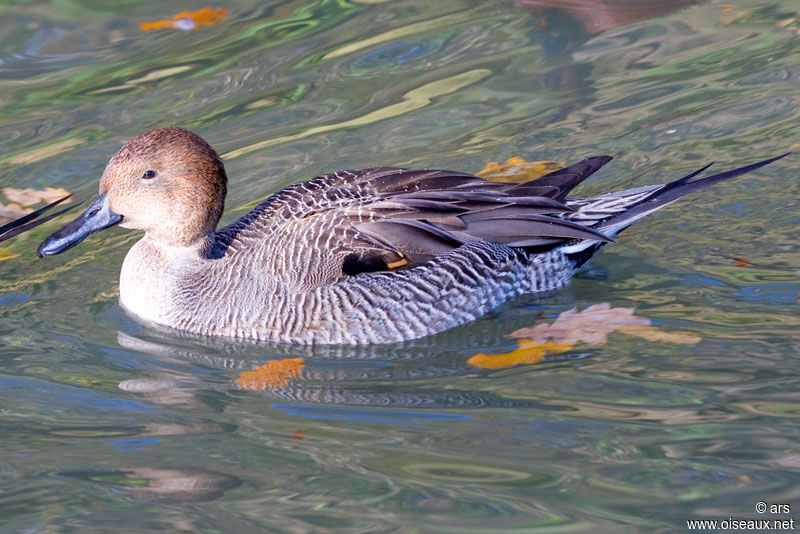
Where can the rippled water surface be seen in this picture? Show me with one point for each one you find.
(106, 425)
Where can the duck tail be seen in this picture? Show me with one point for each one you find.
(610, 214)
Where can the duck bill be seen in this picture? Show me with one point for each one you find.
(98, 216)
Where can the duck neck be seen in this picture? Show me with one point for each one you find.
(203, 246)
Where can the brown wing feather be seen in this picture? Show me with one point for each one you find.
(348, 222)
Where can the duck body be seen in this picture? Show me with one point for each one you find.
(187, 292)
(289, 284)
(353, 257)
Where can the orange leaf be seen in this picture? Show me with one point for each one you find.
(273, 374)
(529, 351)
(157, 25)
(188, 20)
(203, 17)
(741, 262)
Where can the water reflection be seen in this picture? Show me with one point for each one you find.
(560, 28)
(370, 376)
(631, 434)
(166, 485)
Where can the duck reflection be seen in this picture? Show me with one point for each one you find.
(170, 484)
(565, 25)
(192, 369)
(440, 371)
(562, 27)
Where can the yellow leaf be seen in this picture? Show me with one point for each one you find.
(529, 351)
(6, 254)
(273, 374)
(517, 170)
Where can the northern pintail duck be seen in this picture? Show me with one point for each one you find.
(364, 256)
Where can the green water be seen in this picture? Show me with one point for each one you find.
(108, 426)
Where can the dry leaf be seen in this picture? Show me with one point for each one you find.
(273, 374)
(590, 326)
(741, 262)
(188, 20)
(529, 351)
(517, 170)
(29, 197)
(11, 212)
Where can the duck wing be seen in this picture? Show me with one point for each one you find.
(349, 222)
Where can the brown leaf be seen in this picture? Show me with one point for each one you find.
(29, 197)
(590, 326)
(11, 212)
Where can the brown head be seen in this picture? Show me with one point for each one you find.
(168, 182)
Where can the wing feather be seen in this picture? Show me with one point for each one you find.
(341, 223)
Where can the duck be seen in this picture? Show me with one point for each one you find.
(377, 255)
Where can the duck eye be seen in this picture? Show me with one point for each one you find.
(149, 175)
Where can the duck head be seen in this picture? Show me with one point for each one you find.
(168, 182)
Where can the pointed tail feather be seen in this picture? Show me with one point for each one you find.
(26, 222)
(612, 213)
(559, 183)
(671, 192)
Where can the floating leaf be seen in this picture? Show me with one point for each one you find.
(29, 197)
(741, 262)
(15, 219)
(273, 374)
(590, 326)
(188, 20)
(529, 351)
(11, 212)
(517, 170)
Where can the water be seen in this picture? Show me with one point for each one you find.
(109, 426)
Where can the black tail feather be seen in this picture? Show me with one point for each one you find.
(675, 190)
(565, 180)
(26, 222)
